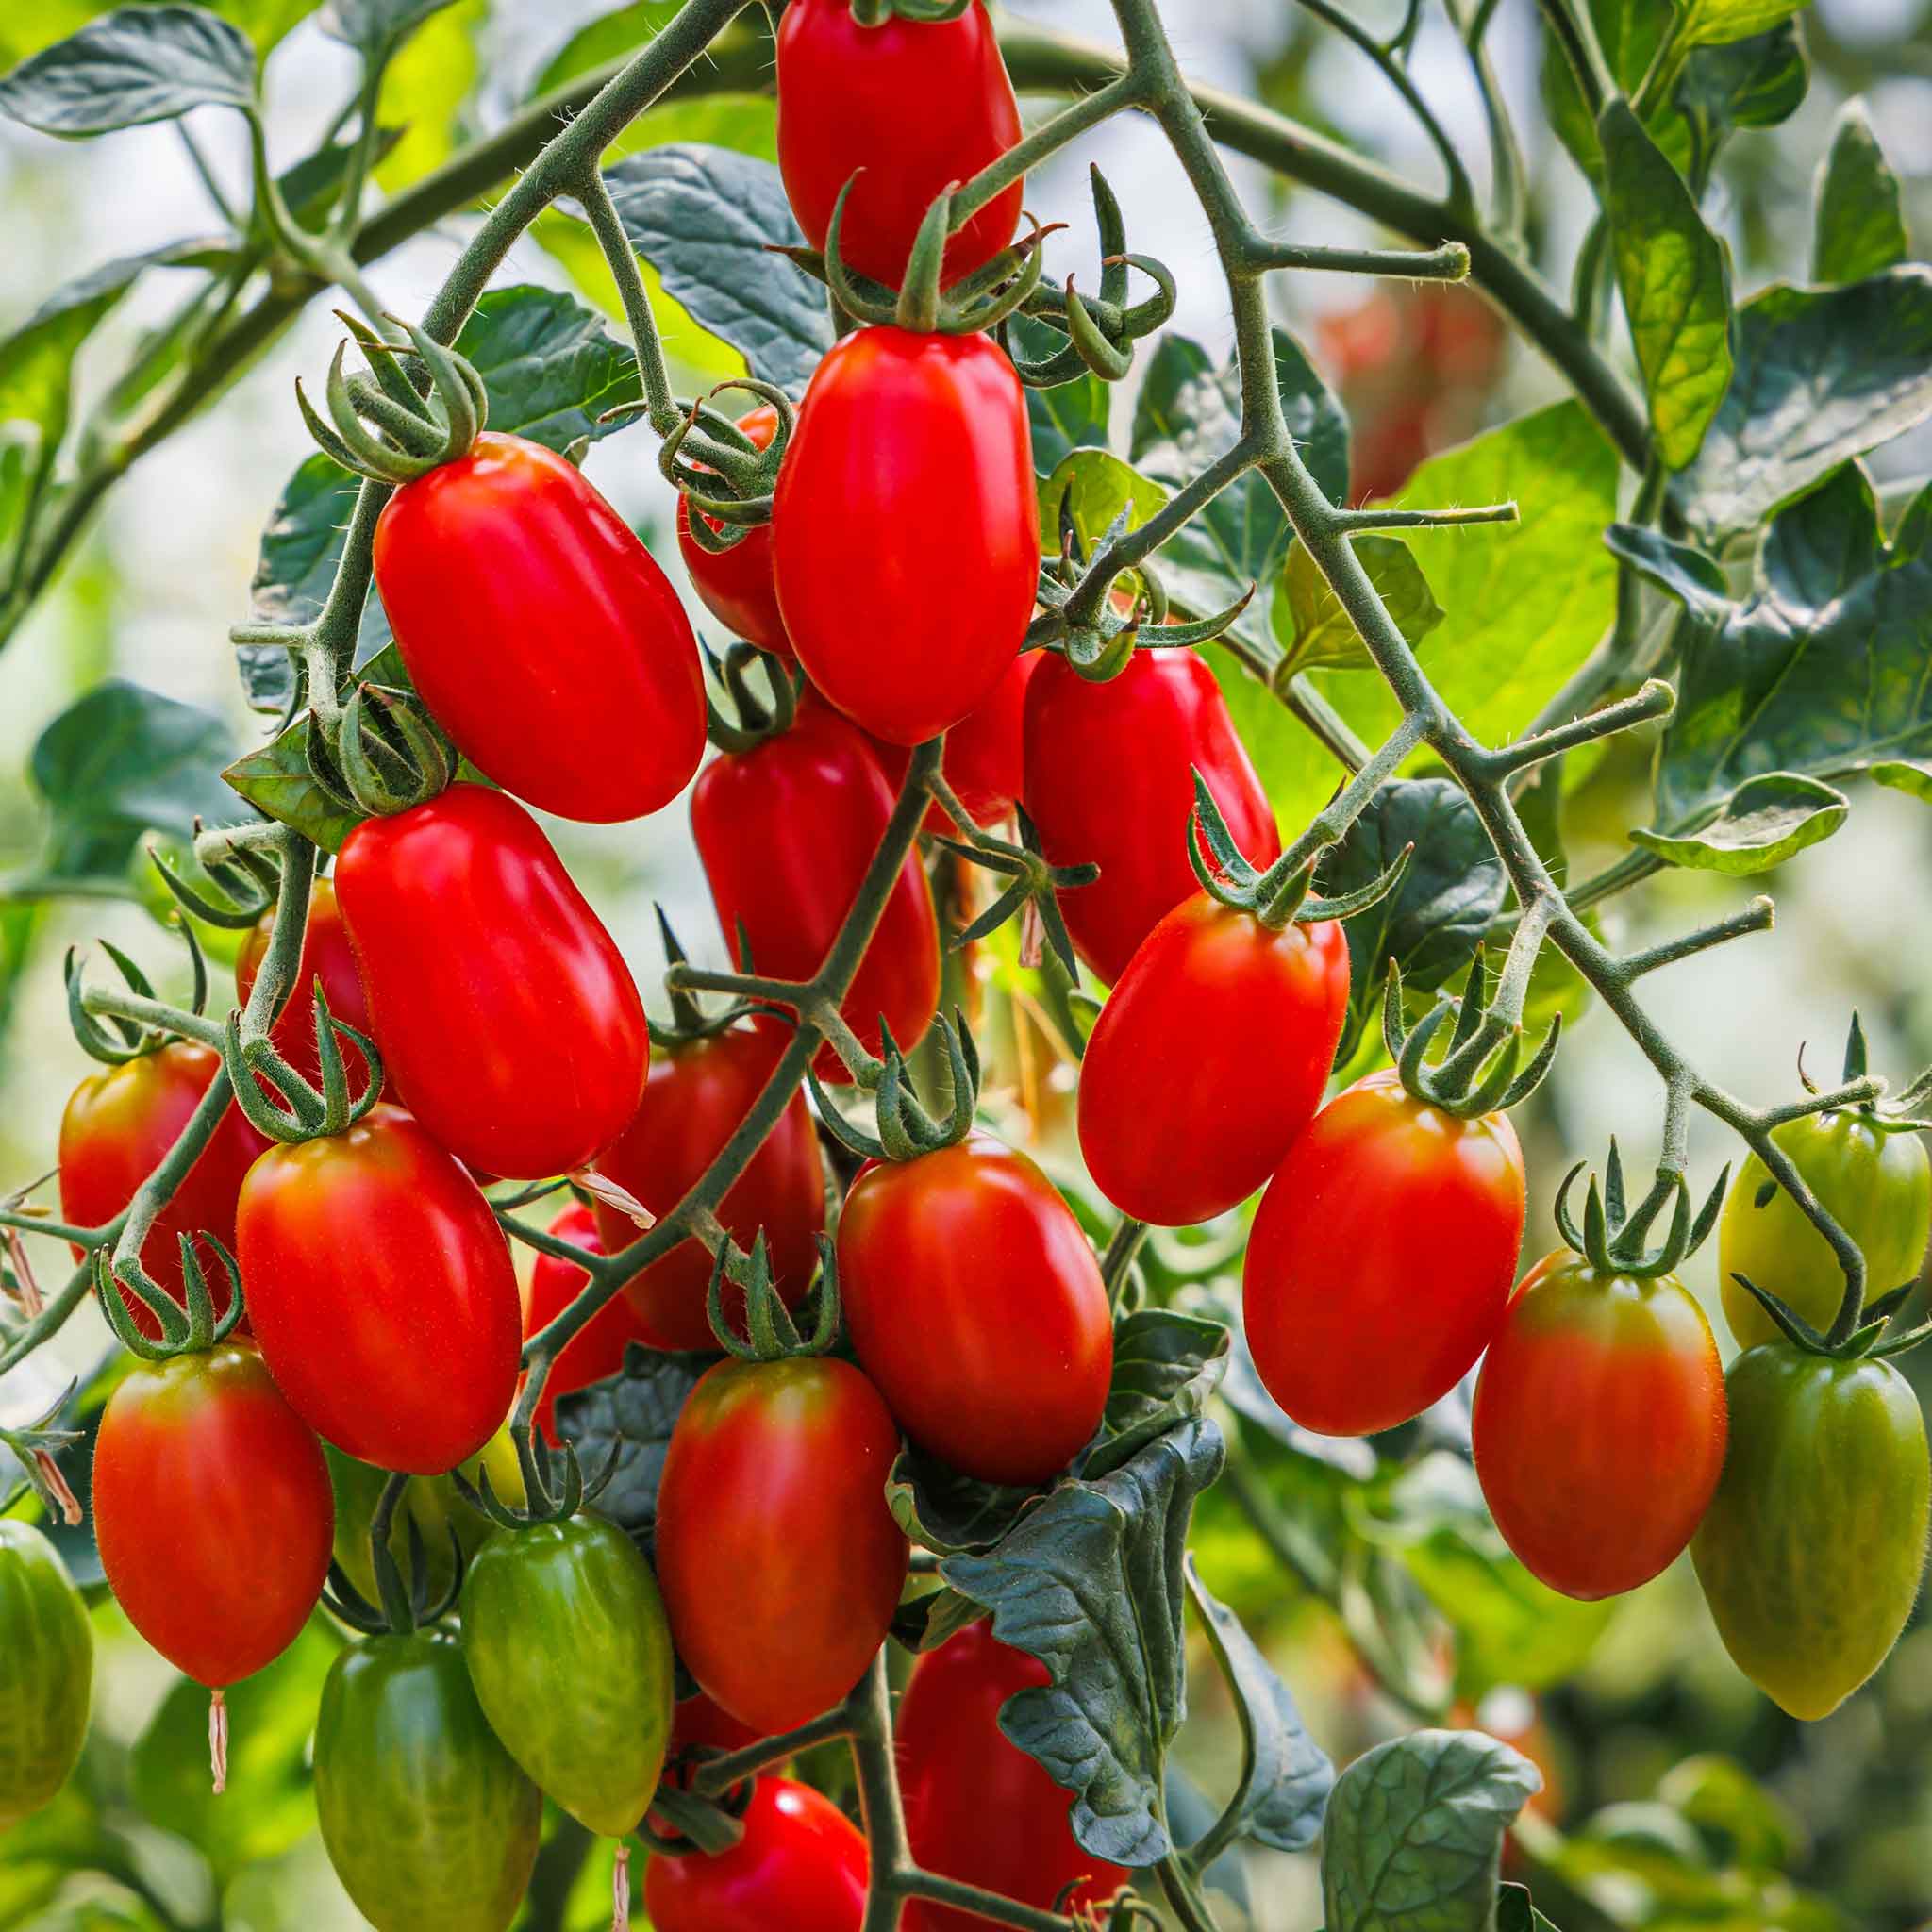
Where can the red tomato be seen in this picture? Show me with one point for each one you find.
(780, 1564)
(920, 107)
(697, 1723)
(1380, 1261)
(976, 1305)
(382, 1294)
(212, 1510)
(1208, 1059)
(1599, 1426)
(801, 1865)
(118, 1128)
(696, 1098)
(509, 1022)
(983, 757)
(325, 955)
(596, 1350)
(1109, 781)
(892, 420)
(541, 634)
(736, 585)
(978, 1808)
(786, 831)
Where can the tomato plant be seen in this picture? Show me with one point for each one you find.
(736, 585)
(46, 1671)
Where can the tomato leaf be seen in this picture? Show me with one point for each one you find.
(948, 1512)
(1822, 374)
(1089, 1581)
(1857, 225)
(1166, 1368)
(1285, 1775)
(1715, 22)
(1311, 625)
(372, 26)
(631, 1415)
(706, 219)
(1766, 820)
(1415, 1829)
(1089, 489)
(139, 64)
(1515, 1913)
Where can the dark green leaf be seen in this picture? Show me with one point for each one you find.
(948, 1512)
(706, 219)
(1075, 415)
(1089, 1581)
(1822, 374)
(1166, 1368)
(1285, 1776)
(1415, 1830)
(1857, 226)
(1515, 1913)
(1675, 276)
(141, 63)
(1310, 623)
(631, 1413)
(1758, 82)
(1766, 820)
(119, 762)
(925, 1620)
(1430, 924)
(374, 26)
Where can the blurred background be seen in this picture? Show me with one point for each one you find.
(1824, 1825)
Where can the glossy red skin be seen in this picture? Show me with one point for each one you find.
(978, 1808)
(1380, 1264)
(508, 1023)
(1109, 781)
(736, 585)
(382, 1294)
(1208, 1058)
(984, 760)
(541, 634)
(212, 1510)
(786, 831)
(118, 1128)
(695, 1099)
(889, 418)
(596, 1350)
(976, 1305)
(1599, 1426)
(327, 955)
(801, 1865)
(779, 1561)
(920, 107)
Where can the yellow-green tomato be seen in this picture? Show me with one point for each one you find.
(1877, 1187)
(46, 1671)
(1811, 1550)
(571, 1657)
(430, 1823)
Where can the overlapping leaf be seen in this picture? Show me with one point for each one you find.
(138, 64)
(630, 1415)
(1857, 225)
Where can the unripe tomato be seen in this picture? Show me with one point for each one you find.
(1812, 1548)
(326, 956)
(46, 1671)
(509, 1025)
(920, 106)
(118, 1128)
(978, 1808)
(565, 1637)
(697, 1097)
(1599, 1426)
(382, 1294)
(736, 585)
(1878, 1187)
(801, 1864)
(985, 755)
(779, 1561)
(906, 638)
(1380, 1263)
(596, 1350)
(212, 1511)
(977, 1306)
(428, 1821)
(1109, 781)
(1208, 1059)
(542, 633)
(786, 831)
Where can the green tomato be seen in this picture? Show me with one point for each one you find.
(431, 1502)
(46, 1671)
(1810, 1553)
(571, 1657)
(427, 1820)
(1877, 1187)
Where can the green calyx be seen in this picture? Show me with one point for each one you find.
(405, 1607)
(248, 879)
(188, 1326)
(920, 13)
(383, 426)
(1101, 333)
(1479, 1074)
(690, 1022)
(770, 1332)
(553, 1484)
(1614, 1234)
(306, 1113)
(1910, 1111)
(723, 474)
(1032, 881)
(387, 755)
(131, 1039)
(752, 719)
(906, 1129)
